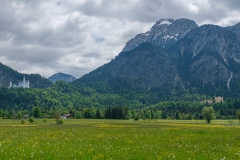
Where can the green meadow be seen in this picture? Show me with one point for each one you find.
(119, 139)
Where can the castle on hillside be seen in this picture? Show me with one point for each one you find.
(23, 84)
(218, 99)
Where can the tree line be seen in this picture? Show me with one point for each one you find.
(85, 102)
(207, 113)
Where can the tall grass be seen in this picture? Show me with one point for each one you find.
(118, 139)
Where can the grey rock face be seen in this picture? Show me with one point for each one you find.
(145, 68)
(212, 37)
(209, 48)
(62, 77)
(163, 33)
(209, 69)
(235, 29)
(176, 55)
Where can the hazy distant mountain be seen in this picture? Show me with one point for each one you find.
(61, 77)
(7, 74)
(175, 56)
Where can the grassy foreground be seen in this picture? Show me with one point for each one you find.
(119, 139)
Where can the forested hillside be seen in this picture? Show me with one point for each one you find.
(7, 74)
(87, 103)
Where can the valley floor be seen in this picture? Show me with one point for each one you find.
(120, 139)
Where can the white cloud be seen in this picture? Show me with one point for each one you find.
(77, 36)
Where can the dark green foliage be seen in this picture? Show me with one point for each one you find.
(22, 122)
(44, 120)
(31, 120)
(89, 113)
(36, 112)
(57, 116)
(238, 114)
(19, 115)
(86, 102)
(208, 113)
(1, 112)
(59, 121)
(136, 118)
(99, 114)
(116, 113)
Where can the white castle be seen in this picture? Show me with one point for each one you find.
(24, 84)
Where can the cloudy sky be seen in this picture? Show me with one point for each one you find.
(77, 36)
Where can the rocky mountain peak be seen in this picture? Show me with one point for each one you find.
(162, 23)
(175, 56)
(235, 29)
(164, 33)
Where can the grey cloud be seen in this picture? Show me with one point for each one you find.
(152, 10)
(31, 54)
(76, 37)
(231, 4)
(91, 54)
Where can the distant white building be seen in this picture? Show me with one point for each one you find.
(218, 99)
(23, 84)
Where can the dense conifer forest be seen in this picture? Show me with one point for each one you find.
(88, 103)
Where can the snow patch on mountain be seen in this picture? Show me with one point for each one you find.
(163, 33)
(165, 22)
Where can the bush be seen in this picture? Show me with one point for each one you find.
(31, 120)
(59, 121)
(22, 121)
(44, 120)
(136, 118)
(223, 117)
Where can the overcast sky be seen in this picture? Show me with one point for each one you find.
(77, 36)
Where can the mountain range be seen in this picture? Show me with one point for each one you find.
(173, 58)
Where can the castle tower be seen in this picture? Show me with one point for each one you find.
(23, 82)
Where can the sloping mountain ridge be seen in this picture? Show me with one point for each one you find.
(7, 74)
(205, 53)
(235, 29)
(203, 59)
(164, 33)
(152, 70)
(61, 77)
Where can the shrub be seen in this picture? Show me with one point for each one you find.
(22, 121)
(223, 117)
(59, 121)
(31, 120)
(208, 113)
(136, 118)
(44, 120)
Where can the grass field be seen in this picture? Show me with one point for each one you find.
(119, 139)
